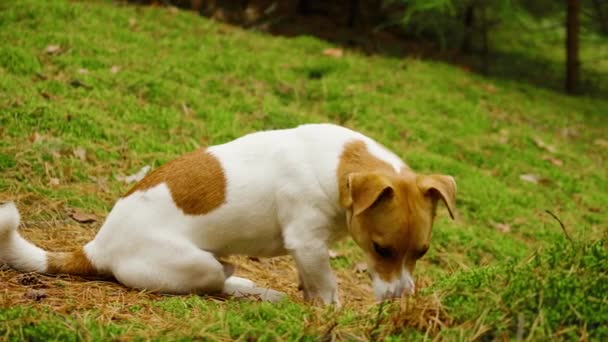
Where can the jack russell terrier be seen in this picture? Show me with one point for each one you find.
(291, 191)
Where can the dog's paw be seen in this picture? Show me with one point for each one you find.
(238, 281)
(241, 288)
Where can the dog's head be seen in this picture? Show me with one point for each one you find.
(390, 216)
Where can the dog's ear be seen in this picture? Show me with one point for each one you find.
(366, 188)
(439, 187)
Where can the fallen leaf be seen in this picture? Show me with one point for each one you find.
(83, 71)
(136, 177)
(541, 144)
(35, 295)
(35, 137)
(55, 153)
(52, 49)
(114, 69)
(333, 52)
(529, 178)
(47, 95)
(601, 143)
(284, 89)
(535, 179)
(67, 172)
(80, 153)
(81, 217)
(79, 84)
(54, 181)
(490, 88)
(132, 22)
(502, 227)
(569, 132)
(503, 136)
(553, 160)
(360, 267)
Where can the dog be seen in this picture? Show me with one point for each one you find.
(293, 191)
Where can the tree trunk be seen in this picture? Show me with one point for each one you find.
(469, 27)
(303, 7)
(572, 62)
(485, 45)
(353, 13)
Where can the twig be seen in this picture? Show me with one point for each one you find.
(327, 337)
(560, 223)
(520, 327)
(377, 323)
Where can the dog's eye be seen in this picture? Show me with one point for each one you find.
(385, 252)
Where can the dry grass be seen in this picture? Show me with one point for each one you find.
(111, 302)
(62, 235)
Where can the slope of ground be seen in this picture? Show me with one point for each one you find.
(91, 92)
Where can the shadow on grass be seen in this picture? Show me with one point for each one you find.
(501, 65)
(356, 31)
(539, 72)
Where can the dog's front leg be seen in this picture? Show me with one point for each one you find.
(316, 276)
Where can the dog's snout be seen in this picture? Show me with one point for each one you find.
(394, 289)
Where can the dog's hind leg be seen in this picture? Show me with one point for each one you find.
(182, 268)
(171, 267)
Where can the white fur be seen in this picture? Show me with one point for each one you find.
(395, 288)
(15, 250)
(282, 197)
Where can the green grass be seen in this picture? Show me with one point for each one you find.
(184, 81)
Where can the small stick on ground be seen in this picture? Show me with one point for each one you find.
(327, 336)
(560, 223)
(373, 331)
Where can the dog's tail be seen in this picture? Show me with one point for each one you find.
(24, 256)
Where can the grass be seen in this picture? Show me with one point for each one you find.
(135, 86)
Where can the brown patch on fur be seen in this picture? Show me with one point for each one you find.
(439, 187)
(356, 158)
(196, 181)
(391, 215)
(75, 263)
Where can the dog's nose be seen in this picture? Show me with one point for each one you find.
(395, 289)
(392, 295)
(407, 287)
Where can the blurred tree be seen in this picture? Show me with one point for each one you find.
(468, 26)
(572, 60)
(597, 12)
(463, 24)
(457, 24)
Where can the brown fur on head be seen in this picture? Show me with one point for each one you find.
(391, 217)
